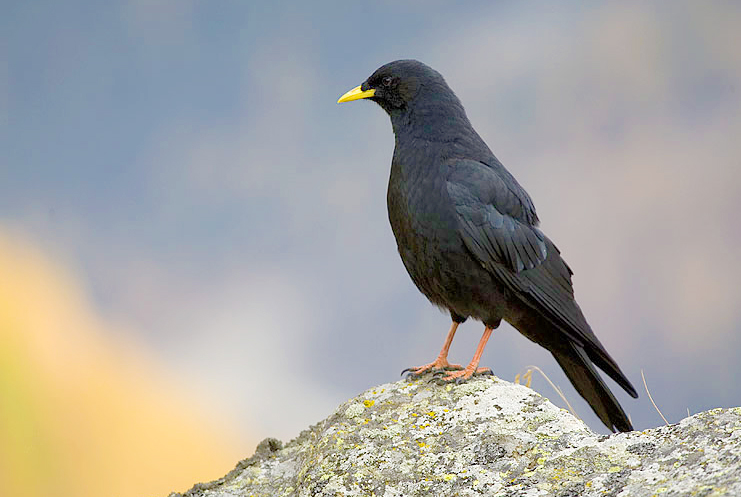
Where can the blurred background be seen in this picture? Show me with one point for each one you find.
(194, 247)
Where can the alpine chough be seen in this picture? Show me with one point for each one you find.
(468, 235)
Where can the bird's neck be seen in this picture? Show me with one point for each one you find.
(440, 120)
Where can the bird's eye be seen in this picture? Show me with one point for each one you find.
(387, 81)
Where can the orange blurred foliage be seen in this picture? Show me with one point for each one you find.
(84, 410)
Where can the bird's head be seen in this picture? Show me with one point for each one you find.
(396, 85)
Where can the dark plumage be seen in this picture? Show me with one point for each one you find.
(467, 234)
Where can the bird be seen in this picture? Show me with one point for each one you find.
(467, 233)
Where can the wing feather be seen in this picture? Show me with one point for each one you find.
(495, 226)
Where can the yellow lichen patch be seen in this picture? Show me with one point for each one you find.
(368, 402)
(448, 477)
(614, 469)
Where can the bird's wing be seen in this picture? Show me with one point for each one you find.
(494, 225)
(514, 250)
(497, 214)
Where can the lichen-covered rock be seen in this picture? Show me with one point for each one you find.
(485, 437)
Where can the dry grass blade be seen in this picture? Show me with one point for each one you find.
(652, 399)
(529, 374)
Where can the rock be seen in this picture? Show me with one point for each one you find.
(485, 437)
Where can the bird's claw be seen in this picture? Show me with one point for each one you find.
(438, 367)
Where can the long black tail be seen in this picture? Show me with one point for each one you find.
(579, 369)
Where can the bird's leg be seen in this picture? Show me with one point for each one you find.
(473, 366)
(441, 362)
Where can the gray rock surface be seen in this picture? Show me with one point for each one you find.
(485, 437)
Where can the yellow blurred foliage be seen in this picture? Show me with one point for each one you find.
(83, 411)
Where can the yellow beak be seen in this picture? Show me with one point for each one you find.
(356, 94)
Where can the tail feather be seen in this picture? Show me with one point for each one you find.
(579, 369)
(607, 364)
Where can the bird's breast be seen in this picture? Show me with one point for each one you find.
(424, 227)
(420, 209)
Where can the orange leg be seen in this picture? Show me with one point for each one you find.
(442, 360)
(473, 366)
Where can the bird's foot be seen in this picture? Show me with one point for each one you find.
(438, 366)
(464, 374)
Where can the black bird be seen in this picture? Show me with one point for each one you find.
(468, 235)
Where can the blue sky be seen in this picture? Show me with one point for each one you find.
(188, 162)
